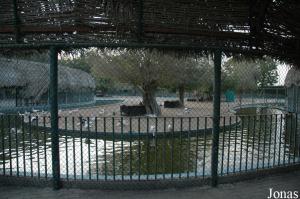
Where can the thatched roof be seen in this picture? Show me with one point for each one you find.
(292, 77)
(34, 77)
(248, 26)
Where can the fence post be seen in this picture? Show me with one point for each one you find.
(216, 117)
(54, 117)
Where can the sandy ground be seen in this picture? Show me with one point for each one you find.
(195, 115)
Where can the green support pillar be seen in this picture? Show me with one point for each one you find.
(216, 117)
(54, 118)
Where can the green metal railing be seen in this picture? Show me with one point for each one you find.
(96, 154)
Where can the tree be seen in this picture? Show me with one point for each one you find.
(247, 75)
(142, 69)
(268, 72)
(182, 74)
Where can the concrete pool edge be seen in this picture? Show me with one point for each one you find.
(146, 184)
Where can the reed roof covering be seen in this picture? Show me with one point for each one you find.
(33, 77)
(292, 77)
(269, 27)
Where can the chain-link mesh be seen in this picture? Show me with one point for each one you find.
(145, 115)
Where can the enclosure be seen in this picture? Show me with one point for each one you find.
(141, 94)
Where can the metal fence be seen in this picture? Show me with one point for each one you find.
(113, 148)
(142, 118)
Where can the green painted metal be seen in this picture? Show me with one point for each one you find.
(54, 118)
(16, 21)
(216, 117)
(140, 20)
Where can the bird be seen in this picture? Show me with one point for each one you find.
(87, 124)
(35, 110)
(124, 123)
(187, 110)
(34, 118)
(88, 141)
(151, 115)
(153, 130)
(15, 130)
(170, 128)
(102, 111)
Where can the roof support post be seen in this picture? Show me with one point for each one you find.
(16, 21)
(216, 117)
(140, 20)
(54, 118)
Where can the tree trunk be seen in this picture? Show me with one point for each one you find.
(181, 95)
(150, 103)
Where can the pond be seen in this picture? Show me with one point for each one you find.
(262, 138)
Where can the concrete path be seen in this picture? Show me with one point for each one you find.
(252, 189)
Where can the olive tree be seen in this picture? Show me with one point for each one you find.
(186, 74)
(142, 69)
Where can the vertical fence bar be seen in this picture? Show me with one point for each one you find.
(74, 152)
(17, 144)
(172, 149)
(295, 138)
(30, 146)
(241, 144)
(147, 150)
(216, 117)
(264, 140)
(89, 147)
(189, 149)
(275, 140)
(105, 155)
(23, 146)
(223, 147)
(81, 148)
(270, 140)
(155, 149)
(285, 137)
(280, 133)
(247, 143)
(180, 147)
(253, 141)
(258, 143)
(197, 147)
(130, 148)
(37, 147)
(139, 144)
(45, 146)
(235, 144)
(290, 137)
(9, 146)
(66, 148)
(228, 151)
(3, 144)
(114, 150)
(122, 149)
(204, 150)
(97, 158)
(164, 149)
(54, 118)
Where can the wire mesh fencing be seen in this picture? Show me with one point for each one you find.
(144, 115)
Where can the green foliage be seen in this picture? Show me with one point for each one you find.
(268, 72)
(246, 75)
(78, 62)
